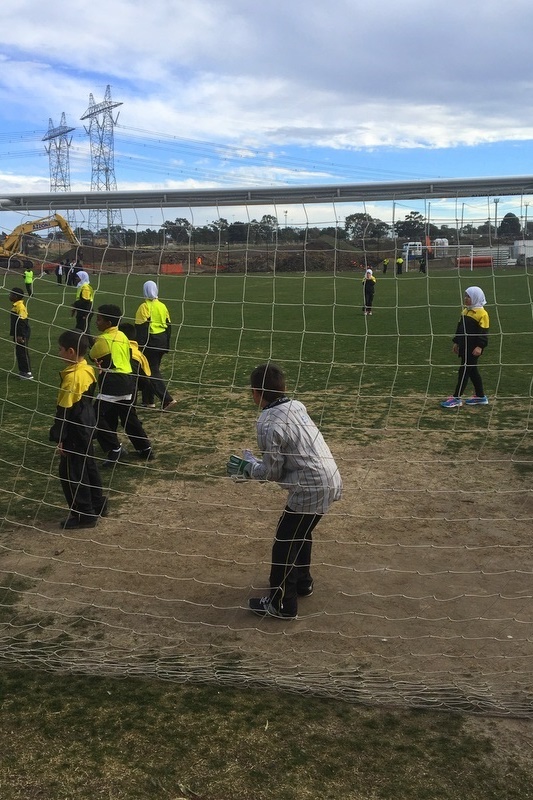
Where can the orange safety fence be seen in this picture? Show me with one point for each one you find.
(172, 269)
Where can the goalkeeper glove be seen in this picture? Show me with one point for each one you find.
(249, 456)
(238, 468)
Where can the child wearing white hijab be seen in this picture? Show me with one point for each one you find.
(369, 287)
(469, 342)
(152, 324)
(83, 305)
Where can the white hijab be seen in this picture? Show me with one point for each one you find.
(369, 272)
(477, 297)
(83, 278)
(150, 290)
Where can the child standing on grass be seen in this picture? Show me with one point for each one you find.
(469, 342)
(83, 304)
(369, 288)
(139, 362)
(73, 430)
(296, 456)
(28, 280)
(153, 330)
(115, 401)
(20, 331)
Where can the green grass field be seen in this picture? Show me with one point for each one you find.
(356, 373)
(362, 378)
(314, 326)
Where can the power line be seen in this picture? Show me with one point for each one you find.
(152, 144)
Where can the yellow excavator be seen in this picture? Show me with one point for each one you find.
(11, 249)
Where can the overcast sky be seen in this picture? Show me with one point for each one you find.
(289, 91)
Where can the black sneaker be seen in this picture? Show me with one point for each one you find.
(147, 454)
(305, 589)
(264, 607)
(113, 457)
(101, 507)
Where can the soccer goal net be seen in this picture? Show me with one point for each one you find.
(422, 575)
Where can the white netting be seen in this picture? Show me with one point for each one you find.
(422, 572)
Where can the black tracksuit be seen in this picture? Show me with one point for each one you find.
(470, 333)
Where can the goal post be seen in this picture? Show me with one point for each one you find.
(422, 592)
(421, 257)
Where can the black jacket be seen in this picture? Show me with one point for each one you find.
(470, 334)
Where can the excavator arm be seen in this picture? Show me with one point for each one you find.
(12, 244)
(11, 249)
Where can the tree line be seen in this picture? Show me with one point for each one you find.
(356, 228)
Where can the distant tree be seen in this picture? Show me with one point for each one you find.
(220, 226)
(179, 231)
(288, 234)
(509, 227)
(238, 232)
(268, 225)
(205, 234)
(115, 235)
(363, 226)
(308, 234)
(381, 230)
(338, 233)
(486, 228)
(447, 232)
(413, 228)
(149, 238)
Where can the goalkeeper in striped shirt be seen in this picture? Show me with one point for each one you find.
(295, 455)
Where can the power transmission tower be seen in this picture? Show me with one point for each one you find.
(57, 148)
(101, 138)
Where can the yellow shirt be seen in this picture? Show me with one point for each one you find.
(140, 358)
(112, 348)
(76, 379)
(85, 292)
(19, 308)
(156, 313)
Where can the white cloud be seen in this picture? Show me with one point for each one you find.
(342, 75)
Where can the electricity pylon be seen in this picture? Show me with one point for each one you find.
(101, 137)
(58, 148)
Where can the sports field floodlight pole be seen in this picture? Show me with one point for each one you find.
(496, 201)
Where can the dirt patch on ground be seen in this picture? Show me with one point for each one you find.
(422, 577)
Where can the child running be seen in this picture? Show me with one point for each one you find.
(469, 342)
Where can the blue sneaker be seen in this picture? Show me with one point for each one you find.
(452, 402)
(477, 401)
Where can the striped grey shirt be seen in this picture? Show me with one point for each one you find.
(296, 456)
